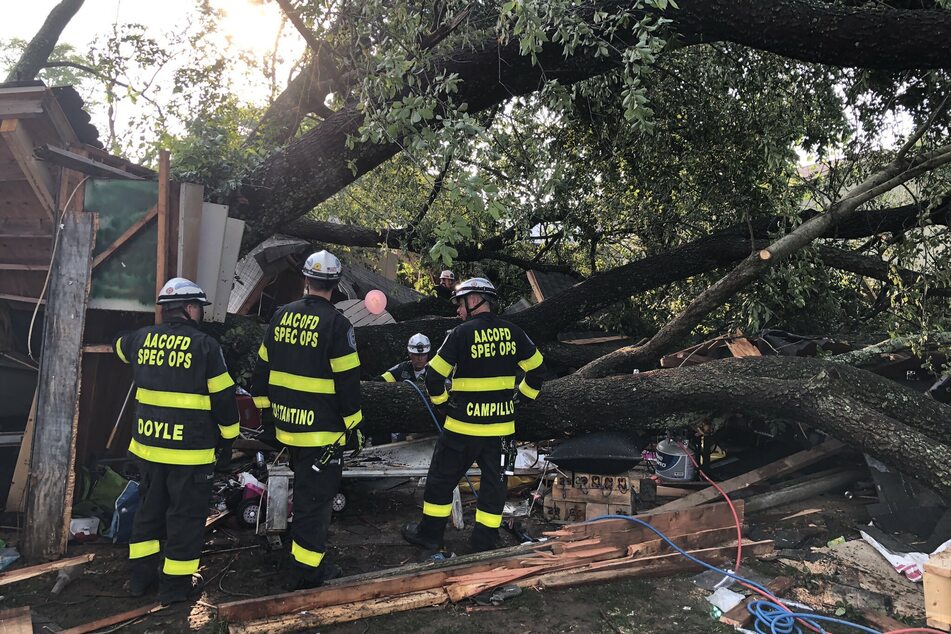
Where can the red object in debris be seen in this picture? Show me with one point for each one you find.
(249, 416)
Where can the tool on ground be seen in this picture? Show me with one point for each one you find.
(509, 453)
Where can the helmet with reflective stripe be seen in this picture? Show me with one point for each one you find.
(418, 344)
(323, 265)
(178, 289)
(478, 285)
(447, 275)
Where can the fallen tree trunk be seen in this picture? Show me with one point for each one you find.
(826, 400)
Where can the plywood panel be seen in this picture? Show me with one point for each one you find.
(234, 231)
(214, 219)
(17, 201)
(189, 228)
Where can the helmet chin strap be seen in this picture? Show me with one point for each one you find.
(465, 304)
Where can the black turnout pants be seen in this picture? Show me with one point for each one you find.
(173, 506)
(313, 504)
(453, 456)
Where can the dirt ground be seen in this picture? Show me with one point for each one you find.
(365, 537)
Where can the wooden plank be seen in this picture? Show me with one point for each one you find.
(937, 584)
(743, 347)
(65, 158)
(536, 288)
(21, 473)
(161, 249)
(789, 464)
(418, 577)
(99, 348)
(39, 178)
(14, 266)
(661, 565)
(881, 621)
(22, 574)
(342, 613)
(16, 621)
(126, 235)
(50, 496)
(234, 231)
(21, 298)
(115, 619)
(804, 490)
(57, 117)
(740, 616)
(189, 228)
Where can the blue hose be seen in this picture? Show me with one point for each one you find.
(770, 618)
(438, 428)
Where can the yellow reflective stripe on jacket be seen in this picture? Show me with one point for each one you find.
(178, 568)
(528, 390)
(229, 431)
(437, 510)
(300, 383)
(440, 365)
(479, 429)
(310, 438)
(488, 519)
(388, 377)
(304, 556)
(138, 550)
(353, 420)
(261, 402)
(532, 362)
(262, 352)
(346, 362)
(221, 382)
(487, 384)
(119, 351)
(163, 455)
(178, 400)
(439, 399)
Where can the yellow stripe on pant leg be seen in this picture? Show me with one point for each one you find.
(437, 510)
(304, 556)
(488, 519)
(178, 568)
(143, 549)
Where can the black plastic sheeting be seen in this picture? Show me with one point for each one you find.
(605, 453)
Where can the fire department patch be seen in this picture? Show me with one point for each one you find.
(352, 338)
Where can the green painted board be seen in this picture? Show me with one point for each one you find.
(126, 281)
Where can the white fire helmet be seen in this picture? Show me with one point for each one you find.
(178, 289)
(322, 265)
(475, 285)
(447, 275)
(418, 344)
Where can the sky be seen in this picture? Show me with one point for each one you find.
(251, 24)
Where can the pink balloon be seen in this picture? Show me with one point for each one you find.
(375, 301)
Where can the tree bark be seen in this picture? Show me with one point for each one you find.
(826, 399)
(306, 172)
(41, 46)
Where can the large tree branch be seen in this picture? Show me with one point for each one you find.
(303, 174)
(379, 344)
(876, 268)
(41, 46)
(899, 171)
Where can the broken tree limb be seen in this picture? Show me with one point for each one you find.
(871, 354)
(897, 172)
(22, 574)
(781, 467)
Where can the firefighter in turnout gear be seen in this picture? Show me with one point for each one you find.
(447, 280)
(308, 373)
(185, 409)
(413, 369)
(483, 356)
